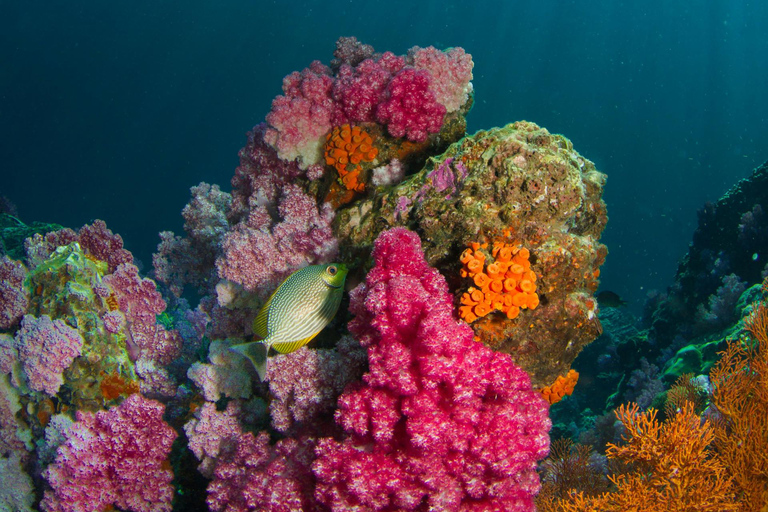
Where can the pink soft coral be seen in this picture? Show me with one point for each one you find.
(440, 421)
(117, 457)
(302, 115)
(451, 73)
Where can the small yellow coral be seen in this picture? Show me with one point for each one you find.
(507, 284)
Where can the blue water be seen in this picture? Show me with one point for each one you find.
(113, 110)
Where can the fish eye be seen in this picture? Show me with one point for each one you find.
(332, 270)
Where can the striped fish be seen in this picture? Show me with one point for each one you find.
(296, 312)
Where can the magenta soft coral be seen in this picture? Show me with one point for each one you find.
(117, 457)
(440, 420)
(410, 108)
(357, 90)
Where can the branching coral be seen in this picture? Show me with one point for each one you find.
(507, 284)
(569, 466)
(740, 395)
(670, 466)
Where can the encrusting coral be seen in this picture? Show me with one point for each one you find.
(561, 387)
(507, 284)
(345, 148)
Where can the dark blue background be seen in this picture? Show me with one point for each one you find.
(113, 110)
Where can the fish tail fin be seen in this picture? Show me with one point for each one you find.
(256, 351)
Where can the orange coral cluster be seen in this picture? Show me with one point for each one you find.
(507, 285)
(114, 385)
(561, 387)
(349, 145)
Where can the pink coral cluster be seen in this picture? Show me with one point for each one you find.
(116, 458)
(440, 420)
(451, 73)
(140, 301)
(261, 251)
(46, 348)
(409, 95)
(96, 239)
(302, 114)
(13, 296)
(306, 384)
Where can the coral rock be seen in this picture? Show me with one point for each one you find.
(517, 185)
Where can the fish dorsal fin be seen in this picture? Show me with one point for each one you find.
(286, 347)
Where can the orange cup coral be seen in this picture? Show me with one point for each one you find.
(507, 284)
(561, 387)
(345, 147)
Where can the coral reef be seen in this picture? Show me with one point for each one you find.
(725, 243)
(431, 388)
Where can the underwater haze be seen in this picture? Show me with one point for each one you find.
(113, 110)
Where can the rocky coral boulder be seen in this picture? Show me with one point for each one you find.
(518, 185)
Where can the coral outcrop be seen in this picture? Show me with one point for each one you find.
(518, 185)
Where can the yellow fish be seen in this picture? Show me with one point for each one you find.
(295, 313)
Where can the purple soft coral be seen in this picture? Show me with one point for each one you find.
(252, 475)
(444, 421)
(261, 251)
(116, 457)
(13, 296)
(141, 302)
(46, 348)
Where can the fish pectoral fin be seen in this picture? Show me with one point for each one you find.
(256, 352)
(286, 347)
